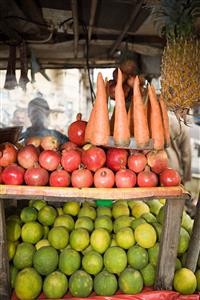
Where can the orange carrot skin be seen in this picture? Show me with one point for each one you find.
(141, 129)
(157, 130)
(89, 126)
(101, 124)
(165, 119)
(121, 133)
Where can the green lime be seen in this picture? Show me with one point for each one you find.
(71, 208)
(137, 257)
(45, 260)
(28, 284)
(79, 239)
(148, 274)
(32, 232)
(65, 220)
(92, 262)
(55, 285)
(47, 215)
(103, 222)
(28, 214)
(58, 237)
(84, 222)
(13, 230)
(24, 255)
(115, 260)
(185, 281)
(69, 261)
(125, 238)
(130, 281)
(100, 240)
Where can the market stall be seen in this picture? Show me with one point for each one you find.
(116, 161)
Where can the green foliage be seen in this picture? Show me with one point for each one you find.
(175, 19)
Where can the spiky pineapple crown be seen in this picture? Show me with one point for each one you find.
(176, 18)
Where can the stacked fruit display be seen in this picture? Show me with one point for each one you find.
(83, 166)
(82, 249)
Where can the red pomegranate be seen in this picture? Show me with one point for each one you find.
(116, 158)
(104, 178)
(76, 131)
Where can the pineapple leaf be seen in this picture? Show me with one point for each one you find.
(176, 18)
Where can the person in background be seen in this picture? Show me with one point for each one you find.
(179, 151)
(38, 113)
(194, 185)
(19, 117)
(180, 157)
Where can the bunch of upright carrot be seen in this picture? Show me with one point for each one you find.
(144, 120)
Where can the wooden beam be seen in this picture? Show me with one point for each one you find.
(194, 245)
(126, 27)
(74, 7)
(169, 243)
(92, 16)
(4, 264)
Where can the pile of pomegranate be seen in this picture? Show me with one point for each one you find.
(42, 161)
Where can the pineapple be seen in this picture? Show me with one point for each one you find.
(180, 68)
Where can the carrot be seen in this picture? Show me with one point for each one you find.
(165, 119)
(121, 133)
(141, 129)
(89, 127)
(101, 125)
(130, 118)
(157, 130)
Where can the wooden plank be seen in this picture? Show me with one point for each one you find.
(76, 25)
(194, 245)
(169, 244)
(4, 264)
(20, 191)
(92, 17)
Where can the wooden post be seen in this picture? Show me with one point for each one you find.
(169, 243)
(194, 245)
(4, 264)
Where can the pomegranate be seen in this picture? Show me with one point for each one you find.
(170, 177)
(27, 156)
(36, 176)
(82, 178)
(76, 131)
(104, 178)
(49, 159)
(137, 162)
(93, 158)
(125, 178)
(34, 140)
(13, 174)
(147, 178)
(157, 160)
(49, 142)
(71, 160)
(116, 158)
(8, 154)
(59, 178)
(68, 146)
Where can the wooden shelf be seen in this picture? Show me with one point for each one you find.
(59, 194)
